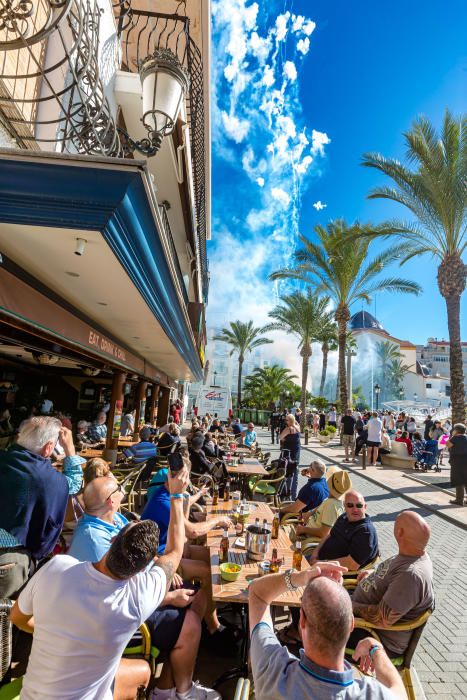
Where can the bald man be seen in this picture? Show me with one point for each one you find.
(326, 620)
(101, 522)
(353, 540)
(401, 588)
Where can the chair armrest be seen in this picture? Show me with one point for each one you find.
(242, 691)
(397, 627)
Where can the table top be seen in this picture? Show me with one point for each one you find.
(90, 452)
(250, 466)
(237, 591)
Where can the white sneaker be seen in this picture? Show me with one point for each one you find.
(199, 692)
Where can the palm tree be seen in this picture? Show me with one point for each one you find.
(434, 191)
(396, 371)
(243, 338)
(338, 266)
(268, 384)
(327, 336)
(301, 315)
(386, 352)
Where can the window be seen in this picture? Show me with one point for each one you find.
(428, 386)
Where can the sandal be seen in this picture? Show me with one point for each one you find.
(289, 635)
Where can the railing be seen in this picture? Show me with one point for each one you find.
(173, 252)
(141, 34)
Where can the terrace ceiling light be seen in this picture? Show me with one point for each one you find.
(165, 83)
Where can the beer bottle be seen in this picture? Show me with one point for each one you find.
(224, 547)
(275, 526)
(274, 562)
(266, 525)
(215, 495)
(227, 491)
(257, 527)
(297, 556)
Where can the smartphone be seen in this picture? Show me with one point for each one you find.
(176, 462)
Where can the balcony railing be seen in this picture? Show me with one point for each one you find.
(141, 34)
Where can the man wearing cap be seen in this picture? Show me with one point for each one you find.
(321, 520)
(143, 450)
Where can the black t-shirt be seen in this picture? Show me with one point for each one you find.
(349, 424)
(358, 540)
(428, 426)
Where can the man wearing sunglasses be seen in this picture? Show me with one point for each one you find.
(353, 540)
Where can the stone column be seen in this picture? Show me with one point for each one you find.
(164, 405)
(154, 405)
(115, 416)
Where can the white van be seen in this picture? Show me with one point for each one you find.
(214, 399)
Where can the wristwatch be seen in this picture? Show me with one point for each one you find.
(288, 580)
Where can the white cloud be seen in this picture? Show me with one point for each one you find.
(303, 165)
(236, 129)
(260, 181)
(318, 140)
(281, 26)
(281, 196)
(290, 70)
(309, 27)
(319, 205)
(268, 76)
(303, 45)
(297, 22)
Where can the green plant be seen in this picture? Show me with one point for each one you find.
(332, 429)
(243, 338)
(325, 432)
(434, 192)
(320, 402)
(266, 385)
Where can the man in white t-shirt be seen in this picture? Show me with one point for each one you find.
(83, 615)
(374, 428)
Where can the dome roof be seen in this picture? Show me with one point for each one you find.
(362, 320)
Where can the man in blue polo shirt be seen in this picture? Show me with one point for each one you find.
(353, 540)
(143, 450)
(326, 620)
(313, 493)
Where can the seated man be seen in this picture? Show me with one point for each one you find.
(400, 588)
(175, 629)
(320, 521)
(83, 614)
(200, 462)
(236, 426)
(196, 561)
(325, 622)
(34, 495)
(353, 540)
(143, 450)
(216, 426)
(168, 439)
(97, 431)
(249, 436)
(211, 448)
(313, 493)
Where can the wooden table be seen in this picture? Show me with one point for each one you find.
(250, 467)
(91, 452)
(127, 442)
(237, 591)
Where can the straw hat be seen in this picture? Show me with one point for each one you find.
(338, 482)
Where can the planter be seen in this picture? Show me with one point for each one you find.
(324, 439)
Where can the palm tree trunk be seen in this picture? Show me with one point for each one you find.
(325, 351)
(455, 359)
(305, 353)
(342, 317)
(239, 385)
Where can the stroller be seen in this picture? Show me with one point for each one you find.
(428, 458)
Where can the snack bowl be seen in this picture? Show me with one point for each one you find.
(230, 571)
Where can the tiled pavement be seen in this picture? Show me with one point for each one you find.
(441, 658)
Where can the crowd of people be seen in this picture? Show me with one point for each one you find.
(122, 569)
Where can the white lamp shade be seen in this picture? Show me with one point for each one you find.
(164, 82)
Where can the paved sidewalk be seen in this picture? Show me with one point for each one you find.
(441, 659)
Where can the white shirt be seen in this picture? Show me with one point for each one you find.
(332, 415)
(47, 406)
(374, 427)
(83, 621)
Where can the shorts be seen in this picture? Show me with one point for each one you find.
(370, 443)
(348, 440)
(165, 625)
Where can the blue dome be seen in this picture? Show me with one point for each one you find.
(362, 320)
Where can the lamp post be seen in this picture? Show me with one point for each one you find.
(214, 375)
(165, 83)
(415, 396)
(377, 390)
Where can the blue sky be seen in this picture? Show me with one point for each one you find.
(301, 90)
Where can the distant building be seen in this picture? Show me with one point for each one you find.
(434, 358)
(418, 384)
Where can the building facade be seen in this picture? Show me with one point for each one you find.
(105, 200)
(434, 357)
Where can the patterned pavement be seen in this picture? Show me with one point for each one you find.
(441, 658)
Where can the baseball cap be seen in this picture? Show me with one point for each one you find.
(160, 477)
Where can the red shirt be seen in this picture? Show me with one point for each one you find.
(407, 441)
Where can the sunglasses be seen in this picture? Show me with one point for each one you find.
(119, 489)
(355, 505)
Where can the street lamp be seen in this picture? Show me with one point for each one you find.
(415, 396)
(377, 390)
(165, 83)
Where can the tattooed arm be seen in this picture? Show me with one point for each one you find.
(177, 484)
(380, 614)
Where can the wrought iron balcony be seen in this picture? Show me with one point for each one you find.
(141, 33)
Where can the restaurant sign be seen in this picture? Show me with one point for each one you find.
(105, 345)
